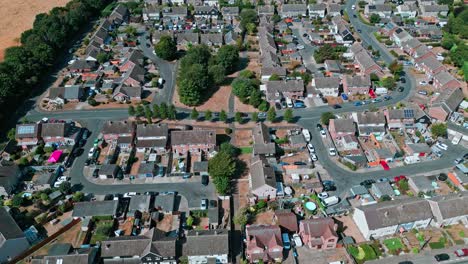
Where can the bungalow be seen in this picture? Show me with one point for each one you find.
(264, 243)
(407, 10)
(383, 10)
(73, 93)
(265, 10)
(340, 29)
(319, 233)
(400, 118)
(127, 93)
(151, 137)
(262, 144)
(341, 127)
(95, 208)
(135, 76)
(293, 10)
(327, 86)
(277, 90)
(444, 80)
(205, 12)
(186, 39)
(212, 39)
(27, 134)
(262, 179)
(230, 13)
(357, 84)
(267, 72)
(370, 123)
(207, 246)
(417, 149)
(445, 104)
(317, 10)
(449, 209)
(10, 176)
(80, 66)
(151, 247)
(333, 9)
(58, 134)
(14, 241)
(410, 46)
(434, 10)
(193, 141)
(430, 65)
(109, 171)
(112, 130)
(286, 220)
(382, 219)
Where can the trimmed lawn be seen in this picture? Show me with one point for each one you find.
(393, 244)
(363, 253)
(246, 150)
(102, 231)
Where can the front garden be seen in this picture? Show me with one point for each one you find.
(365, 252)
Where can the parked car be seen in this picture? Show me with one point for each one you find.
(367, 183)
(323, 133)
(376, 100)
(458, 161)
(442, 257)
(286, 241)
(423, 92)
(319, 126)
(422, 83)
(358, 103)
(262, 115)
(344, 96)
(299, 163)
(322, 195)
(204, 204)
(311, 148)
(465, 156)
(383, 180)
(313, 157)
(306, 134)
(461, 252)
(205, 180)
(387, 97)
(299, 105)
(91, 152)
(441, 146)
(332, 151)
(297, 240)
(336, 106)
(401, 89)
(403, 80)
(359, 30)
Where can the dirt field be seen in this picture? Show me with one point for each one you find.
(217, 102)
(18, 16)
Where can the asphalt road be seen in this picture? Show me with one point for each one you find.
(424, 257)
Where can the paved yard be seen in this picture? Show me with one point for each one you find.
(306, 255)
(349, 228)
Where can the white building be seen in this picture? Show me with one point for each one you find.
(388, 218)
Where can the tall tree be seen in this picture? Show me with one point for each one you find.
(208, 115)
(223, 116)
(228, 58)
(238, 117)
(166, 48)
(194, 114)
(288, 115)
(271, 114)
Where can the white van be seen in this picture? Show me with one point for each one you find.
(332, 200)
(306, 134)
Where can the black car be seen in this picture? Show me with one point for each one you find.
(367, 183)
(442, 257)
(299, 163)
(304, 35)
(319, 126)
(96, 173)
(403, 80)
(85, 134)
(354, 16)
(205, 180)
(77, 152)
(329, 188)
(81, 143)
(148, 45)
(336, 106)
(213, 203)
(401, 89)
(465, 156)
(405, 262)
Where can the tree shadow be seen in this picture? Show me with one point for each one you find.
(222, 138)
(243, 63)
(241, 167)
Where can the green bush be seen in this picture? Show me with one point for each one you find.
(436, 245)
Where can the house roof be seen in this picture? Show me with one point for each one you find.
(213, 215)
(423, 183)
(136, 72)
(26, 130)
(280, 71)
(382, 188)
(451, 205)
(206, 243)
(214, 38)
(411, 43)
(327, 82)
(444, 77)
(407, 113)
(230, 10)
(317, 7)
(358, 190)
(70, 93)
(264, 235)
(152, 130)
(365, 60)
(266, 9)
(190, 37)
(139, 203)
(108, 169)
(165, 202)
(118, 127)
(333, 65)
(53, 129)
(261, 133)
(333, 8)
(76, 256)
(287, 220)
(261, 173)
(449, 99)
(395, 212)
(9, 229)
(434, 8)
(419, 148)
(193, 137)
(380, 8)
(318, 227)
(343, 125)
(366, 118)
(293, 8)
(82, 65)
(431, 63)
(95, 208)
(285, 86)
(9, 176)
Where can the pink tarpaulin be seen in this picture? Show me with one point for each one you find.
(55, 156)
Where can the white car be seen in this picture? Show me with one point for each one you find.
(441, 146)
(306, 134)
(297, 240)
(311, 148)
(422, 83)
(300, 47)
(129, 194)
(91, 152)
(313, 157)
(332, 151)
(323, 133)
(63, 178)
(322, 195)
(204, 204)
(353, 7)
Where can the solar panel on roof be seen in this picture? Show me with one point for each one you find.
(25, 130)
(409, 113)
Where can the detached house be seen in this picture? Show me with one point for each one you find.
(445, 104)
(264, 243)
(10, 178)
(230, 13)
(400, 118)
(119, 15)
(444, 80)
(327, 86)
(212, 39)
(341, 127)
(357, 84)
(366, 64)
(27, 134)
(262, 144)
(388, 218)
(449, 209)
(370, 123)
(340, 28)
(434, 10)
(277, 90)
(410, 46)
(319, 233)
(73, 93)
(262, 179)
(317, 10)
(127, 93)
(207, 246)
(407, 10)
(333, 9)
(293, 10)
(267, 72)
(400, 35)
(58, 134)
(186, 39)
(193, 141)
(152, 137)
(383, 10)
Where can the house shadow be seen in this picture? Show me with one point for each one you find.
(145, 94)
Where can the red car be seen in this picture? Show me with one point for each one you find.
(399, 178)
(461, 252)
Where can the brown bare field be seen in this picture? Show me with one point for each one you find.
(217, 102)
(18, 15)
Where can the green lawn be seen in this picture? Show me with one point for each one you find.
(393, 243)
(246, 150)
(102, 231)
(363, 253)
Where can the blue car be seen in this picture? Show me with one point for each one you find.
(357, 103)
(299, 105)
(344, 96)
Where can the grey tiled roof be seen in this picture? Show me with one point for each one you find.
(261, 173)
(206, 243)
(95, 208)
(193, 137)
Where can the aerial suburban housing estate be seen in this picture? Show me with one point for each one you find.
(206, 131)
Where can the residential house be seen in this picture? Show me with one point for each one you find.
(210, 2)
(151, 137)
(263, 243)
(135, 76)
(445, 104)
(114, 130)
(449, 209)
(13, 239)
(213, 218)
(73, 93)
(158, 34)
(10, 178)
(318, 233)
(109, 171)
(340, 29)
(382, 219)
(58, 134)
(422, 52)
(434, 11)
(28, 134)
(333, 9)
(317, 10)
(430, 65)
(150, 248)
(262, 144)
(64, 253)
(147, 169)
(205, 12)
(383, 10)
(400, 118)
(348, 143)
(125, 93)
(286, 220)
(380, 189)
(119, 15)
(267, 72)
(131, 59)
(366, 64)
(212, 39)
(357, 84)
(193, 141)
(95, 208)
(200, 168)
(370, 123)
(262, 179)
(426, 2)
(341, 127)
(410, 46)
(417, 149)
(187, 39)
(165, 203)
(81, 66)
(444, 80)
(423, 183)
(333, 66)
(407, 10)
(175, 13)
(431, 33)
(139, 203)
(151, 12)
(400, 35)
(277, 90)
(293, 10)
(101, 36)
(327, 86)
(265, 10)
(230, 13)
(207, 246)
(231, 37)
